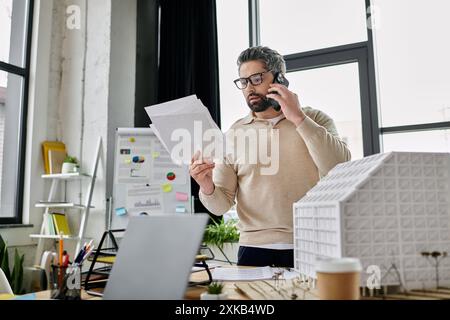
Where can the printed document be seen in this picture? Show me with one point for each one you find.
(253, 273)
(185, 126)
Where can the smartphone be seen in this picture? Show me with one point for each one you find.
(278, 78)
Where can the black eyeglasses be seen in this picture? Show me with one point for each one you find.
(254, 79)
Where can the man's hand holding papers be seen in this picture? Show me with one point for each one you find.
(201, 171)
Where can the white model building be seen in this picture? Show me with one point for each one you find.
(385, 210)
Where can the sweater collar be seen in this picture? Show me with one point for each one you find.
(251, 117)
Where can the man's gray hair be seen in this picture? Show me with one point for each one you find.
(272, 59)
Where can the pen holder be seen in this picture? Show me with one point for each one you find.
(65, 282)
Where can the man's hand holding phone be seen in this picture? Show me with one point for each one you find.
(288, 101)
(201, 171)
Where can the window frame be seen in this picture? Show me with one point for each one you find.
(361, 52)
(352, 53)
(23, 72)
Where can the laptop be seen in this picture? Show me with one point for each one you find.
(155, 257)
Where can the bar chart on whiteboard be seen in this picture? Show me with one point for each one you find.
(146, 180)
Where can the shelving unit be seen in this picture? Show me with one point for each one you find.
(54, 203)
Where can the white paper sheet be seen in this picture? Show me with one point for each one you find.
(242, 274)
(181, 126)
(250, 274)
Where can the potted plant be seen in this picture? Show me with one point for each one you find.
(70, 165)
(223, 236)
(214, 292)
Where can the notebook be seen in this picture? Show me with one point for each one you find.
(56, 158)
(155, 257)
(46, 147)
(60, 223)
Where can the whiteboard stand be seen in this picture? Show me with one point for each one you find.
(192, 204)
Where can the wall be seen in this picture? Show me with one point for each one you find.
(122, 76)
(83, 102)
(57, 109)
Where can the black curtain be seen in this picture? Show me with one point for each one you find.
(189, 57)
(146, 60)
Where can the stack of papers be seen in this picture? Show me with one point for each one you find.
(185, 126)
(250, 274)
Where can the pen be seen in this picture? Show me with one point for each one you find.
(89, 245)
(87, 255)
(61, 250)
(80, 255)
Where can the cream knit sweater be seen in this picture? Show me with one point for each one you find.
(264, 201)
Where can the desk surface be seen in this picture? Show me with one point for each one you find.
(262, 290)
(254, 289)
(45, 295)
(234, 290)
(241, 290)
(192, 293)
(258, 290)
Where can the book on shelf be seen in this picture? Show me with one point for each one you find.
(56, 159)
(61, 224)
(46, 147)
(51, 226)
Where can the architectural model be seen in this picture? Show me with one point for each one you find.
(387, 210)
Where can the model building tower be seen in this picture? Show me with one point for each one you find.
(386, 210)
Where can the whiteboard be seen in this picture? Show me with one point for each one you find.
(146, 180)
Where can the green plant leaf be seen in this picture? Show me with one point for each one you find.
(215, 287)
(70, 159)
(17, 274)
(220, 233)
(2, 250)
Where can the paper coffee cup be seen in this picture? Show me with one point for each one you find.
(338, 278)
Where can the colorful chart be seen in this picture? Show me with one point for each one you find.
(138, 159)
(171, 176)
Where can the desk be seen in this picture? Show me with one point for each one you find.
(45, 295)
(259, 290)
(192, 293)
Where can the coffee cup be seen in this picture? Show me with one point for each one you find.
(338, 278)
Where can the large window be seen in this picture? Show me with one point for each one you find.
(15, 33)
(293, 26)
(420, 141)
(413, 74)
(233, 38)
(379, 68)
(335, 88)
(326, 45)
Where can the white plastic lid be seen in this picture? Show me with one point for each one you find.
(338, 265)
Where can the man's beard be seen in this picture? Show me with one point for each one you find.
(261, 106)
